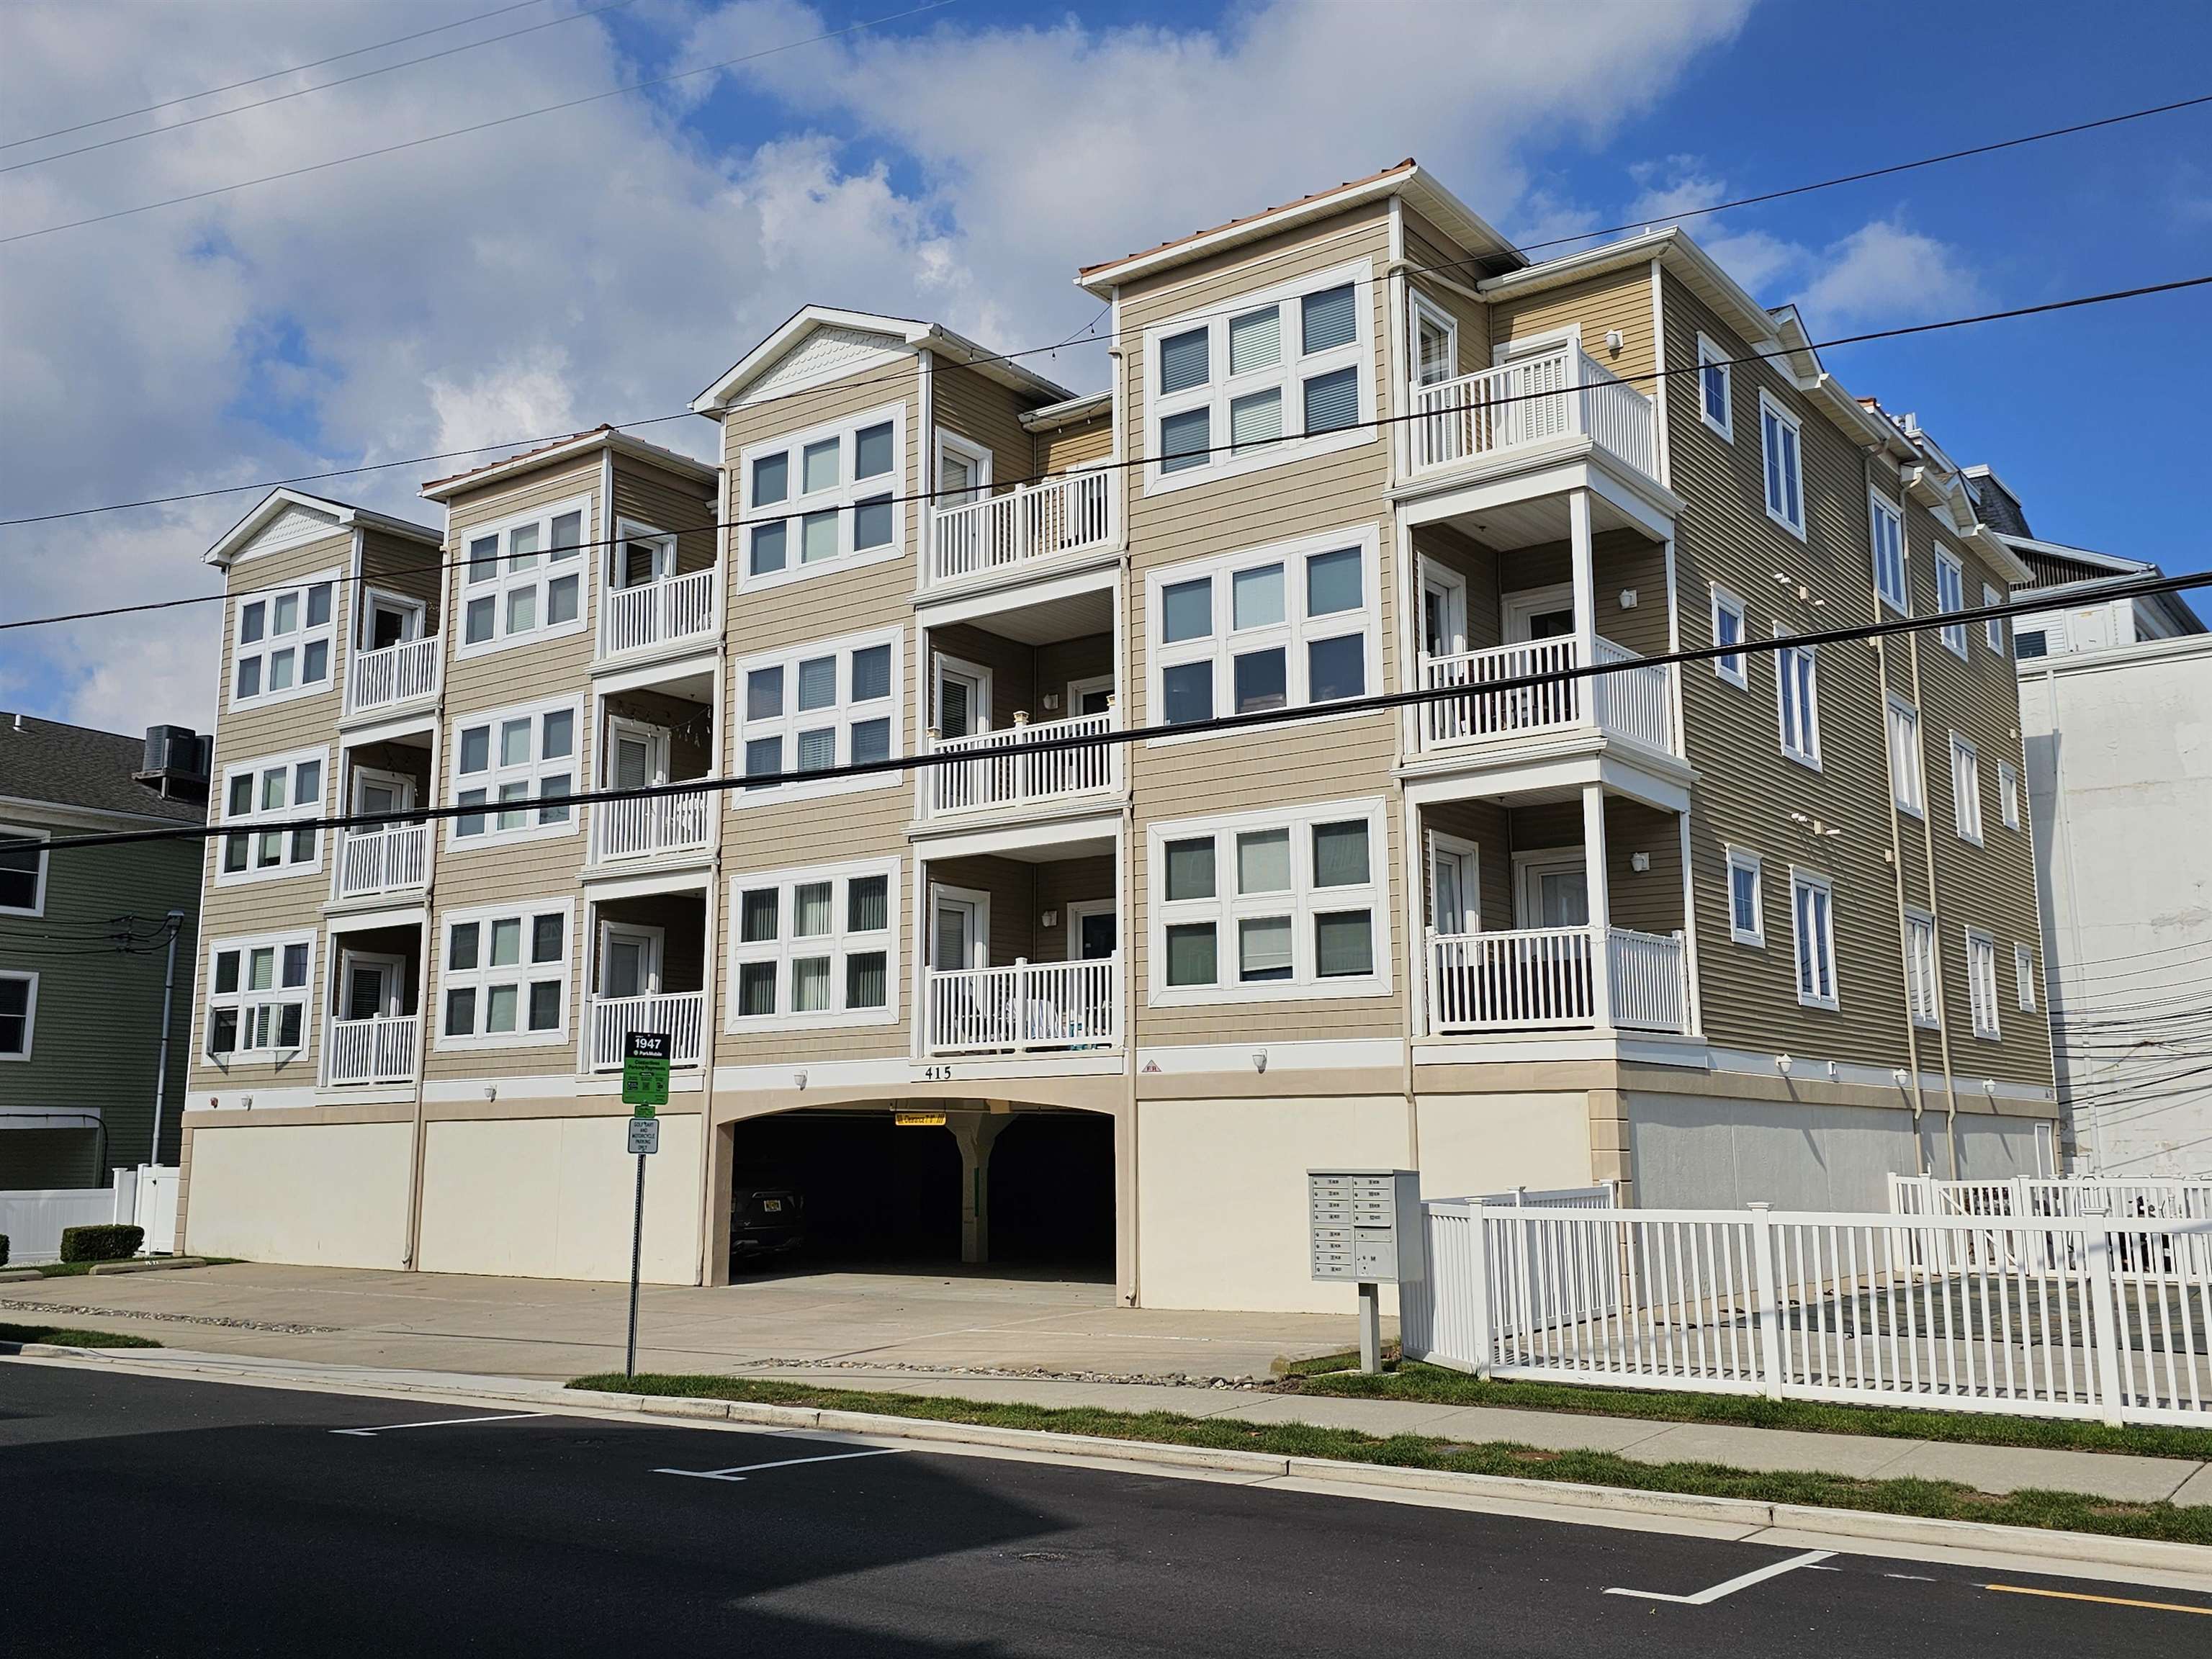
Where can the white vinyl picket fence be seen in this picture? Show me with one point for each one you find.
(2051, 1196)
(32, 1219)
(2078, 1316)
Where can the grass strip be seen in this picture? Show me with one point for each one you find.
(1935, 1499)
(1434, 1385)
(69, 1336)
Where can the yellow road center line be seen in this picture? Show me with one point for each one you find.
(2108, 1600)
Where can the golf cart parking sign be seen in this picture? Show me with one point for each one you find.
(645, 1072)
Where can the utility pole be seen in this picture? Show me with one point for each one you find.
(162, 1067)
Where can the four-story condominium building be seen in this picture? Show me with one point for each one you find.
(1756, 927)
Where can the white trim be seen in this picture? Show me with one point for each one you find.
(25, 976)
(1888, 550)
(840, 716)
(1533, 345)
(1469, 857)
(1523, 606)
(1292, 369)
(975, 901)
(1451, 587)
(393, 990)
(1076, 910)
(1950, 564)
(402, 788)
(1769, 408)
(1993, 628)
(532, 773)
(1303, 904)
(2009, 794)
(416, 612)
(838, 944)
(1908, 788)
(257, 773)
(1924, 990)
(1530, 866)
(249, 1000)
(1981, 984)
(1711, 354)
(38, 905)
(979, 458)
(1079, 690)
(293, 643)
(1966, 789)
(943, 665)
(479, 575)
(1426, 310)
(1224, 643)
(483, 977)
(791, 511)
(1725, 599)
(1742, 857)
(1806, 753)
(616, 554)
(652, 956)
(1824, 966)
(2024, 976)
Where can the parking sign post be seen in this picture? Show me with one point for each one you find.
(644, 1091)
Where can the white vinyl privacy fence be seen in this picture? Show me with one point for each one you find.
(2083, 1316)
(32, 1219)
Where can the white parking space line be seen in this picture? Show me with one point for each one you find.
(744, 1469)
(439, 1423)
(1705, 1597)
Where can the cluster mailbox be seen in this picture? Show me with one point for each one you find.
(1365, 1226)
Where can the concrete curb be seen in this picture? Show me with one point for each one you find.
(155, 1264)
(1871, 1526)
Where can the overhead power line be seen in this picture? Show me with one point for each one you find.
(273, 75)
(325, 86)
(1379, 702)
(1378, 421)
(476, 126)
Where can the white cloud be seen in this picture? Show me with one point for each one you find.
(606, 262)
(1882, 271)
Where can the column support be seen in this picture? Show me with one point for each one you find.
(974, 1133)
(1587, 698)
(1601, 908)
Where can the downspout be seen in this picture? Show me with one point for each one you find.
(1125, 596)
(1897, 841)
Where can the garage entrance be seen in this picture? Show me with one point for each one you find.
(1027, 1189)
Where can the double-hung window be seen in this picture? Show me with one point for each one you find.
(523, 577)
(2009, 794)
(832, 704)
(1713, 377)
(1908, 777)
(1982, 983)
(1950, 598)
(1887, 533)
(1747, 903)
(1920, 969)
(814, 947)
(269, 792)
(1271, 904)
(1993, 626)
(1966, 789)
(824, 498)
(515, 755)
(282, 643)
(1283, 626)
(1729, 616)
(503, 976)
(258, 993)
(22, 872)
(1811, 910)
(1797, 703)
(2023, 977)
(19, 1012)
(1779, 438)
(1287, 374)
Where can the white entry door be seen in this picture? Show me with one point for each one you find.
(1554, 893)
(964, 698)
(637, 755)
(630, 961)
(959, 929)
(372, 986)
(380, 792)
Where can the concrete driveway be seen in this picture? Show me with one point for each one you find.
(946, 1321)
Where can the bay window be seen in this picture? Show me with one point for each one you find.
(523, 577)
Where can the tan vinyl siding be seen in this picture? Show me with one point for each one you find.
(540, 668)
(1066, 447)
(412, 570)
(1618, 299)
(667, 501)
(1426, 249)
(1022, 675)
(244, 734)
(971, 406)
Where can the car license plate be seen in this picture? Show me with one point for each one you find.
(772, 1206)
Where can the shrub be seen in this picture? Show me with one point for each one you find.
(4, 1249)
(101, 1244)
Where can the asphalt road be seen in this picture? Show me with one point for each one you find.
(156, 1517)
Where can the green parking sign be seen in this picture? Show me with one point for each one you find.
(645, 1072)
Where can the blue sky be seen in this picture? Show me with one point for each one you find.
(606, 263)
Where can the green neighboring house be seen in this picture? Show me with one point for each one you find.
(85, 944)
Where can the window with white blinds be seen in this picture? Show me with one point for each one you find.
(1908, 778)
(271, 792)
(835, 703)
(524, 579)
(1966, 789)
(1920, 969)
(1887, 533)
(1812, 909)
(1287, 375)
(825, 498)
(525, 754)
(1981, 984)
(282, 642)
(815, 947)
(1797, 703)
(503, 976)
(258, 991)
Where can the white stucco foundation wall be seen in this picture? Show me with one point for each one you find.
(1477, 1144)
(315, 1194)
(552, 1198)
(1221, 1196)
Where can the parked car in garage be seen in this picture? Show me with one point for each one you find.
(767, 1215)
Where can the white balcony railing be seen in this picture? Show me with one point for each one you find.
(654, 824)
(1540, 979)
(681, 1014)
(372, 1050)
(1009, 769)
(387, 860)
(397, 674)
(1563, 393)
(1030, 1007)
(1030, 523)
(1633, 702)
(666, 612)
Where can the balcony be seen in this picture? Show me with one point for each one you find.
(1030, 1007)
(1635, 703)
(398, 674)
(1028, 525)
(671, 611)
(1014, 768)
(681, 1014)
(392, 859)
(655, 824)
(1540, 979)
(381, 1050)
(1545, 398)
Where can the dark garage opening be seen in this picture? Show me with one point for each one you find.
(1052, 1192)
(874, 1193)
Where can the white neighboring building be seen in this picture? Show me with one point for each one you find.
(2116, 713)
